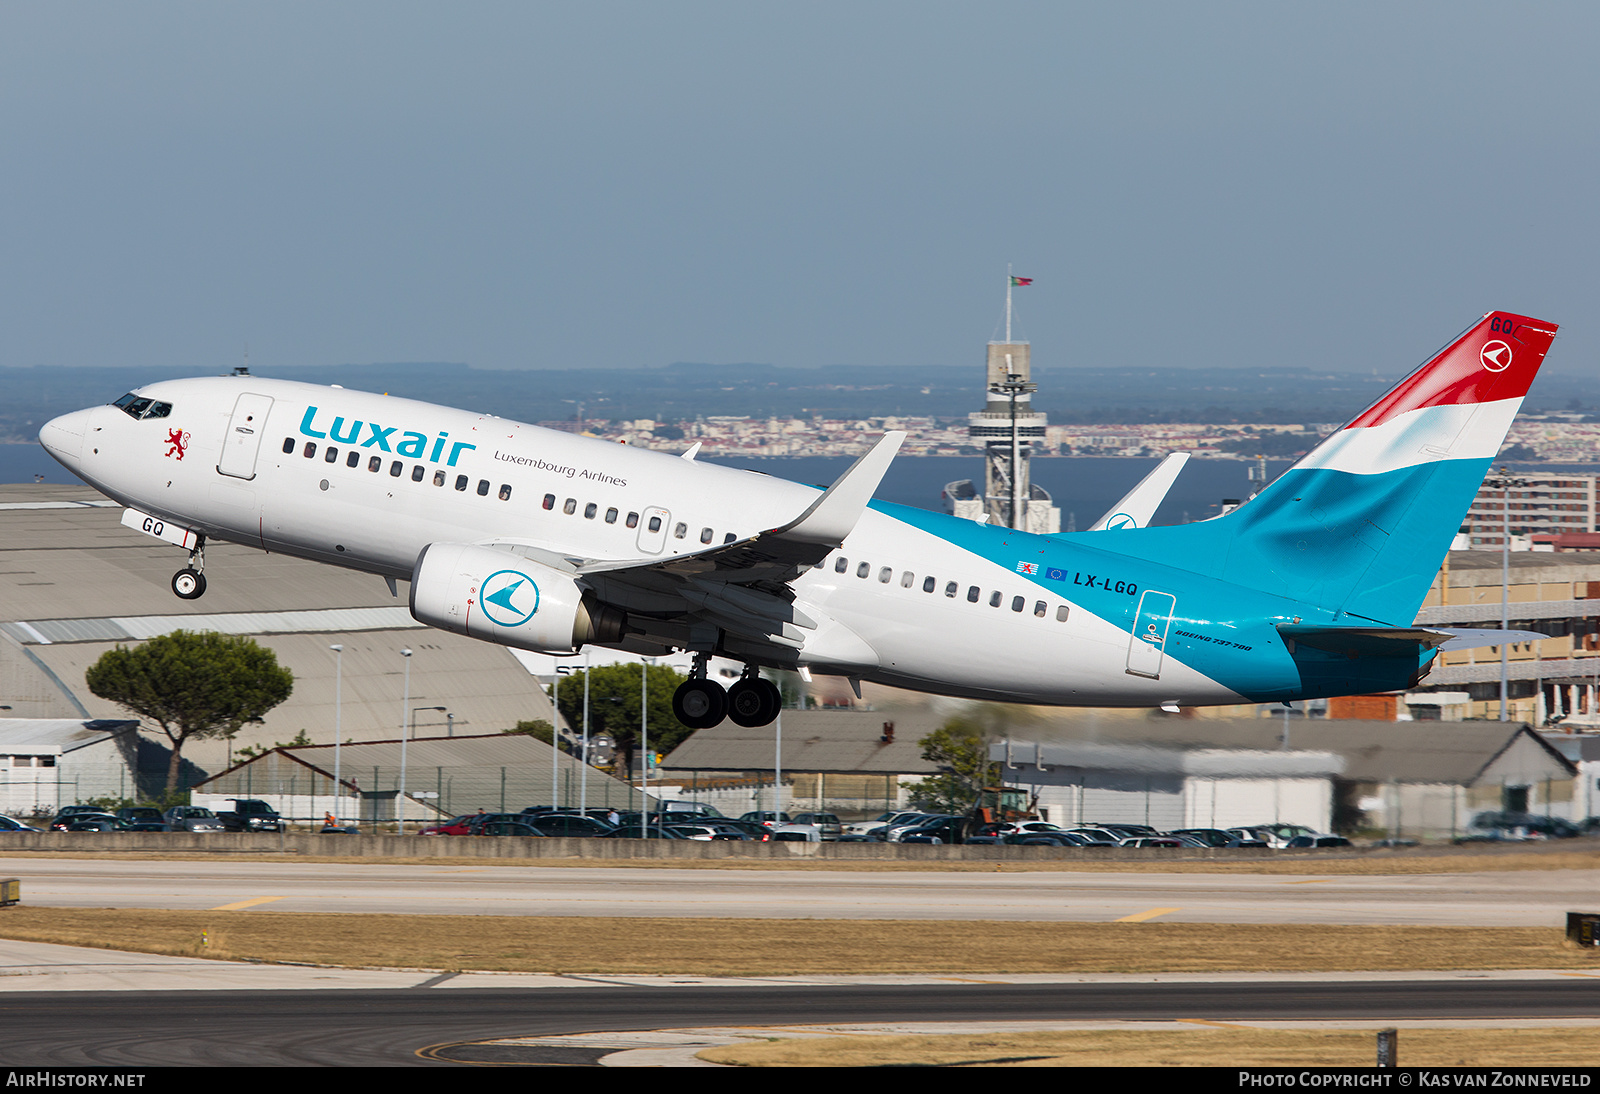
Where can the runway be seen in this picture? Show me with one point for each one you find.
(378, 1028)
(1520, 898)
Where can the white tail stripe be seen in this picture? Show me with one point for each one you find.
(1426, 435)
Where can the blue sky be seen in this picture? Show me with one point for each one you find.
(1341, 186)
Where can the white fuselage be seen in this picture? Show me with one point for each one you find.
(367, 481)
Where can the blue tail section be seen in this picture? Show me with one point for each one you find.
(1359, 526)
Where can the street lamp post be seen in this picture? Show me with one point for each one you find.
(1505, 482)
(338, 709)
(400, 795)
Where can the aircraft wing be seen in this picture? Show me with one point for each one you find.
(1139, 506)
(744, 588)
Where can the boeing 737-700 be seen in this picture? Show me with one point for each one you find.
(548, 541)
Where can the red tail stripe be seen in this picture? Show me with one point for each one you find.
(1497, 359)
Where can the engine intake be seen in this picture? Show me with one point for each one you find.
(512, 601)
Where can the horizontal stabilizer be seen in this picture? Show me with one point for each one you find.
(1398, 641)
(1139, 506)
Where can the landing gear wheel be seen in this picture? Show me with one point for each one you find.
(700, 704)
(754, 702)
(189, 583)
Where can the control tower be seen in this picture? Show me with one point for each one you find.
(1006, 429)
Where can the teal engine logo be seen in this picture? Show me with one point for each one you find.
(508, 597)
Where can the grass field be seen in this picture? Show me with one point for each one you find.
(755, 947)
(1200, 1047)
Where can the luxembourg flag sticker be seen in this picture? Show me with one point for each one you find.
(1030, 568)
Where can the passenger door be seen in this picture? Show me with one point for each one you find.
(1147, 646)
(243, 440)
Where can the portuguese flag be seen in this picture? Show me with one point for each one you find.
(1022, 281)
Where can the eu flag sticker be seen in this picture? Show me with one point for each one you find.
(1056, 575)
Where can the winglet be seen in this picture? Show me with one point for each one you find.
(1139, 505)
(833, 516)
(691, 452)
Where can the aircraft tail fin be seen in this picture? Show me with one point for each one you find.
(1360, 525)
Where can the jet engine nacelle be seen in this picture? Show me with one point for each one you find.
(504, 598)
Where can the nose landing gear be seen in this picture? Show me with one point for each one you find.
(189, 583)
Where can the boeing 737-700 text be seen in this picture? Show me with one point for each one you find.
(548, 541)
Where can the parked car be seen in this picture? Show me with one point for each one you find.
(95, 822)
(9, 825)
(249, 815)
(1301, 842)
(143, 818)
(571, 824)
(828, 822)
(191, 818)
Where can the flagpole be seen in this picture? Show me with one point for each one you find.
(1008, 303)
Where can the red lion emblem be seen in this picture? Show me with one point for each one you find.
(179, 442)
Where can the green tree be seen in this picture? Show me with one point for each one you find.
(614, 707)
(192, 685)
(961, 750)
(540, 730)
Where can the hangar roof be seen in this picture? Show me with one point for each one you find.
(832, 742)
(74, 582)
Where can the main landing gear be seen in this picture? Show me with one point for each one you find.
(190, 582)
(700, 703)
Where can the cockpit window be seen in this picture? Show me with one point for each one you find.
(138, 407)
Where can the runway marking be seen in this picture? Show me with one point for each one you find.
(1316, 881)
(1590, 975)
(1218, 1025)
(246, 904)
(1148, 913)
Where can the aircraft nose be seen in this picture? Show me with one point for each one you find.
(63, 437)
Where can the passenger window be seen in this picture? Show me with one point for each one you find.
(396, 468)
(288, 446)
(1018, 603)
(633, 521)
(950, 590)
(994, 599)
(885, 574)
(611, 516)
(927, 584)
(483, 488)
(461, 482)
(549, 501)
(863, 570)
(374, 463)
(505, 492)
(1061, 613)
(310, 450)
(842, 565)
(353, 460)
(972, 594)
(729, 537)
(1039, 608)
(418, 472)
(590, 510)
(655, 526)
(438, 478)
(332, 455)
(679, 532)
(907, 579)
(706, 534)
(570, 506)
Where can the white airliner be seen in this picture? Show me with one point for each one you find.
(547, 541)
